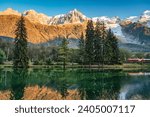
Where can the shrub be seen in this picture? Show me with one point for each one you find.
(2, 56)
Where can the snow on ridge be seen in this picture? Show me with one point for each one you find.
(73, 16)
(107, 20)
(133, 18)
(147, 12)
(148, 24)
(59, 16)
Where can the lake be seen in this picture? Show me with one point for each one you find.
(74, 84)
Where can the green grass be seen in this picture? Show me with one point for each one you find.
(125, 66)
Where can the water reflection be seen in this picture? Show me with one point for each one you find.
(137, 87)
(139, 73)
(46, 84)
(18, 83)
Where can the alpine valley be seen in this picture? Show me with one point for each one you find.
(133, 32)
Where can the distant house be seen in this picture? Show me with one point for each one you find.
(138, 60)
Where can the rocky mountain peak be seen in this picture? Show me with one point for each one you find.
(36, 17)
(30, 12)
(145, 16)
(10, 11)
(73, 16)
(76, 13)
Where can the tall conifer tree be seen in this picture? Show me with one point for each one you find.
(108, 47)
(98, 41)
(89, 44)
(82, 48)
(112, 48)
(63, 52)
(103, 43)
(20, 50)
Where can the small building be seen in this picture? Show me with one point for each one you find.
(138, 60)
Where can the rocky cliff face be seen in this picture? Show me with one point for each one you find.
(139, 32)
(36, 17)
(38, 33)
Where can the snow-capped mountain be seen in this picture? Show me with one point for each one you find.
(133, 30)
(107, 20)
(148, 24)
(73, 16)
(132, 19)
(145, 16)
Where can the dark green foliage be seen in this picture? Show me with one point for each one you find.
(18, 83)
(2, 56)
(20, 50)
(63, 52)
(124, 55)
(39, 54)
(89, 44)
(82, 49)
(49, 62)
(101, 46)
(99, 38)
(53, 55)
(7, 47)
(115, 59)
(108, 47)
(139, 55)
(38, 62)
(112, 55)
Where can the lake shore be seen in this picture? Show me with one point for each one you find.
(125, 66)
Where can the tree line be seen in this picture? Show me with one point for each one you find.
(97, 46)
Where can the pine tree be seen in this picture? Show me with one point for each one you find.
(103, 42)
(2, 56)
(89, 44)
(108, 47)
(115, 51)
(82, 49)
(98, 41)
(63, 52)
(112, 48)
(20, 50)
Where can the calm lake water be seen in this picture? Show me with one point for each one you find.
(47, 84)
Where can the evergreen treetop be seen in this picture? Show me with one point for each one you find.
(21, 50)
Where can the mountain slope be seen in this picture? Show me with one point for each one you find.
(37, 17)
(42, 28)
(38, 33)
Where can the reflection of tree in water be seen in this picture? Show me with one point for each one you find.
(63, 86)
(63, 89)
(18, 83)
(99, 86)
(58, 81)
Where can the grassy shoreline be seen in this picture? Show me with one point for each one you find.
(125, 66)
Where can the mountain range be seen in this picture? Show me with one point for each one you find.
(134, 30)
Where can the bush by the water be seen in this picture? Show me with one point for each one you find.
(2, 56)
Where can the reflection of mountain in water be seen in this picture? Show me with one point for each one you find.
(72, 85)
(139, 73)
(136, 88)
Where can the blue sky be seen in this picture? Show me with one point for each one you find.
(91, 8)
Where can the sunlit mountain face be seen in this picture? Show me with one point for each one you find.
(133, 32)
